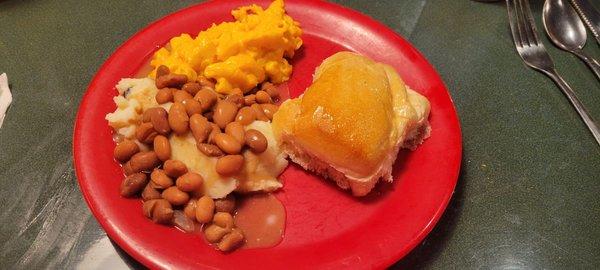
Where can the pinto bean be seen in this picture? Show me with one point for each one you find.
(125, 150)
(178, 119)
(133, 184)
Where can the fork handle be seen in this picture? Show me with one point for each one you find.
(590, 61)
(566, 89)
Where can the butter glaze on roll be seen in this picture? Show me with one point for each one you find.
(350, 123)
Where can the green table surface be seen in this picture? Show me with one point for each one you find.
(528, 196)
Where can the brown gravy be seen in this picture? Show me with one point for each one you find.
(144, 69)
(284, 93)
(262, 219)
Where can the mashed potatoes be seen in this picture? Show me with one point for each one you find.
(259, 173)
(239, 54)
(135, 96)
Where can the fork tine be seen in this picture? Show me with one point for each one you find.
(530, 22)
(522, 23)
(514, 23)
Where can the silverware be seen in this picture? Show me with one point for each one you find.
(565, 29)
(590, 16)
(534, 54)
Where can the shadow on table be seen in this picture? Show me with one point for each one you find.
(432, 246)
(130, 261)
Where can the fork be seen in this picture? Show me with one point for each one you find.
(534, 54)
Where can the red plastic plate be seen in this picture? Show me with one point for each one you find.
(325, 227)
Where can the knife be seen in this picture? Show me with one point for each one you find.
(590, 16)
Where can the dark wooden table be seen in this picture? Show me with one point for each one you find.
(528, 196)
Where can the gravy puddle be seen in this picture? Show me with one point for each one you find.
(144, 69)
(262, 219)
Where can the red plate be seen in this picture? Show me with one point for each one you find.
(326, 227)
